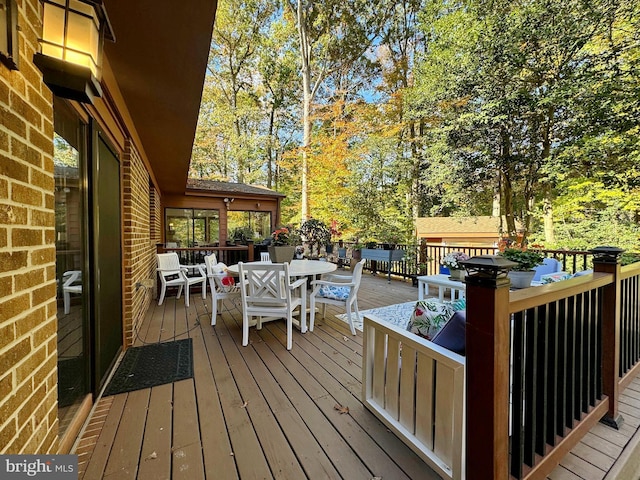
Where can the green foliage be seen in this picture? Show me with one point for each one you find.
(459, 104)
(628, 258)
(526, 259)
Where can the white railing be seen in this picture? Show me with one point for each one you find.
(417, 390)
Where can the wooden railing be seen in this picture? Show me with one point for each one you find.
(572, 347)
(431, 254)
(424, 259)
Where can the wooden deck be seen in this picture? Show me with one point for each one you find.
(264, 412)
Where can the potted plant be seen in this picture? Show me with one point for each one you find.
(282, 246)
(522, 274)
(452, 262)
(241, 235)
(315, 232)
(356, 250)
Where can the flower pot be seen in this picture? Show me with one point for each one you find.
(282, 253)
(521, 279)
(457, 274)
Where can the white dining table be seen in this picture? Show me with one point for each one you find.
(299, 268)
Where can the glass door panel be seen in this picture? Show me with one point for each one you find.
(71, 278)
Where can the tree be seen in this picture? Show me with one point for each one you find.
(332, 35)
(505, 99)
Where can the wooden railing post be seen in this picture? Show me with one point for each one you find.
(487, 368)
(607, 260)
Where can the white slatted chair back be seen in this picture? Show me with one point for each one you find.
(265, 257)
(341, 290)
(219, 290)
(267, 291)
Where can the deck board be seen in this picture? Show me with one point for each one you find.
(155, 458)
(289, 427)
(125, 452)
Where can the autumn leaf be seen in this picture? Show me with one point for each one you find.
(341, 409)
(152, 456)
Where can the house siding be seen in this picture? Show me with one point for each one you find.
(28, 327)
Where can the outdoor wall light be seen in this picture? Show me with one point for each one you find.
(70, 57)
(227, 201)
(9, 33)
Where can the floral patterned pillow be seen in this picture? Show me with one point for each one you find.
(334, 293)
(429, 316)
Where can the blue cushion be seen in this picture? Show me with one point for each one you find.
(459, 304)
(334, 293)
(549, 265)
(452, 335)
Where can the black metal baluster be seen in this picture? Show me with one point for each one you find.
(551, 372)
(530, 387)
(571, 362)
(562, 374)
(579, 363)
(587, 373)
(541, 376)
(517, 396)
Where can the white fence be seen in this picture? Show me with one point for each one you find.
(416, 389)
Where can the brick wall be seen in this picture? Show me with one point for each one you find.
(28, 344)
(139, 244)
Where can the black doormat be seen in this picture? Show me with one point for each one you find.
(152, 365)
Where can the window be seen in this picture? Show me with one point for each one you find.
(258, 224)
(187, 227)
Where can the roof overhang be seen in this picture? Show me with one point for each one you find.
(159, 62)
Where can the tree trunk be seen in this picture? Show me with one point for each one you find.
(507, 187)
(307, 98)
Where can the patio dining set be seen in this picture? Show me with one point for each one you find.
(266, 290)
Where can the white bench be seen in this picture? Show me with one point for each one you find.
(416, 388)
(442, 282)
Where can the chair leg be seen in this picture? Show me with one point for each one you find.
(312, 312)
(214, 309)
(214, 305)
(186, 295)
(245, 329)
(350, 318)
(289, 330)
(303, 315)
(204, 289)
(67, 303)
(357, 312)
(162, 293)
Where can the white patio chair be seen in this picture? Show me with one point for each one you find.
(219, 291)
(174, 274)
(341, 290)
(71, 283)
(268, 294)
(265, 257)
